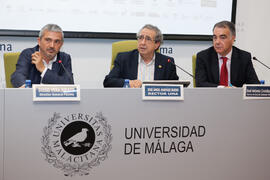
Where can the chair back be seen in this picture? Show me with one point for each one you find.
(10, 61)
(194, 69)
(122, 46)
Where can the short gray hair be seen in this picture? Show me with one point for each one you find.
(51, 27)
(226, 24)
(159, 36)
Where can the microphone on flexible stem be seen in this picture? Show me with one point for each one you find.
(169, 61)
(254, 58)
(69, 76)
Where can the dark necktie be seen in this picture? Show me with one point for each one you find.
(224, 73)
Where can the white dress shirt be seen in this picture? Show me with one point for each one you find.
(47, 66)
(146, 71)
(228, 65)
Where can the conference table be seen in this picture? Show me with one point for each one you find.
(213, 134)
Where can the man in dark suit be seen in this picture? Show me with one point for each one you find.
(44, 63)
(224, 65)
(142, 64)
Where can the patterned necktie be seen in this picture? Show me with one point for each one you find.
(224, 73)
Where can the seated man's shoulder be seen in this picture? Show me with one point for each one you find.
(29, 50)
(162, 56)
(127, 55)
(64, 55)
(206, 52)
(241, 52)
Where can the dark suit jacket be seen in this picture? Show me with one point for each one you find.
(207, 68)
(126, 67)
(26, 70)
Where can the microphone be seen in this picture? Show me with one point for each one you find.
(254, 58)
(169, 61)
(69, 76)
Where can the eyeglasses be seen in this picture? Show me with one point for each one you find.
(147, 38)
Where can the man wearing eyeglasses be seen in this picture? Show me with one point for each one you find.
(224, 65)
(142, 64)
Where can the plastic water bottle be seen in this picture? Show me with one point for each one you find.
(126, 84)
(28, 83)
(262, 81)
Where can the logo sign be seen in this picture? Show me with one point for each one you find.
(163, 92)
(75, 143)
(56, 92)
(256, 92)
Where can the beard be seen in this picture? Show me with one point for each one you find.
(49, 53)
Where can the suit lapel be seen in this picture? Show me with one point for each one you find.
(56, 65)
(134, 65)
(158, 67)
(215, 67)
(234, 66)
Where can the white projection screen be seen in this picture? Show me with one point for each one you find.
(177, 19)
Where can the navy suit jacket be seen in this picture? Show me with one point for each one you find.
(26, 70)
(126, 67)
(207, 68)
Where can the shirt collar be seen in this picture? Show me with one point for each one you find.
(51, 61)
(229, 55)
(151, 62)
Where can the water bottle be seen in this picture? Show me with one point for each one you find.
(28, 83)
(126, 84)
(262, 81)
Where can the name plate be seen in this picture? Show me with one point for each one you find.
(162, 92)
(256, 92)
(52, 92)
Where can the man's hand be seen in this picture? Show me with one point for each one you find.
(135, 83)
(37, 60)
